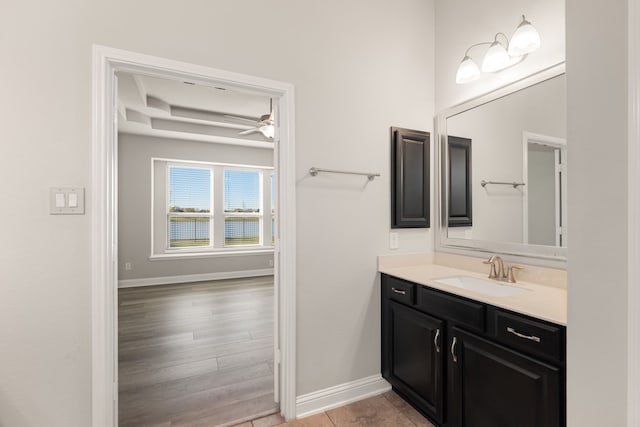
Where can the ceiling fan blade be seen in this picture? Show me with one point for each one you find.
(248, 131)
(244, 119)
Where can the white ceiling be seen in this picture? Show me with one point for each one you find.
(173, 109)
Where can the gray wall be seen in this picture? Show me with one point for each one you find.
(358, 67)
(134, 204)
(597, 180)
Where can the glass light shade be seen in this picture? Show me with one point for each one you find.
(525, 40)
(468, 71)
(496, 58)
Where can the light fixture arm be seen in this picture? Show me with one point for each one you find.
(495, 39)
(466, 53)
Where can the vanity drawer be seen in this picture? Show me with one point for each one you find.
(528, 335)
(399, 290)
(461, 311)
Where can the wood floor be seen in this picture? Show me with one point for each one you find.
(198, 354)
(386, 410)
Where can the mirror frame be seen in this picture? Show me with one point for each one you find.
(550, 256)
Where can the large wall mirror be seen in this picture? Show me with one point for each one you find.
(503, 171)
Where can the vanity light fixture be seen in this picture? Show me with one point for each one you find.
(502, 52)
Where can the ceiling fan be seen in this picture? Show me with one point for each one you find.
(266, 124)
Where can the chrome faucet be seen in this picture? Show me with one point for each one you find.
(499, 271)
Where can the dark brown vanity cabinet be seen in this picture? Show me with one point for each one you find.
(415, 356)
(494, 386)
(464, 363)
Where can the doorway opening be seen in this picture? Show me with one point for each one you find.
(545, 190)
(276, 231)
(196, 221)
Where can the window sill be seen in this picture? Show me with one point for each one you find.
(223, 253)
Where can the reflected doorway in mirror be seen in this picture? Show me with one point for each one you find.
(545, 195)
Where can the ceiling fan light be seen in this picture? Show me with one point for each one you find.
(525, 40)
(468, 71)
(496, 58)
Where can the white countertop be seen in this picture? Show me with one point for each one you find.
(543, 302)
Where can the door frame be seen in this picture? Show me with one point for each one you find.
(104, 205)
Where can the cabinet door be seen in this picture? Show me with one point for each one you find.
(497, 387)
(414, 366)
(459, 182)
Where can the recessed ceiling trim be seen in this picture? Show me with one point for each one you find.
(138, 117)
(142, 90)
(158, 104)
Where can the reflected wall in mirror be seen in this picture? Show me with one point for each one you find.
(519, 158)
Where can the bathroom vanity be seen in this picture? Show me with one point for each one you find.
(464, 350)
(468, 358)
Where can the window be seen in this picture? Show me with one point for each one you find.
(242, 213)
(189, 211)
(206, 207)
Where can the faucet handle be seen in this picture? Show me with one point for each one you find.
(493, 274)
(511, 276)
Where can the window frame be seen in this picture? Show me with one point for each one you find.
(216, 228)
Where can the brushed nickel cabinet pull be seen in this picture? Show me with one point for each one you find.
(399, 291)
(526, 337)
(453, 349)
(435, 341)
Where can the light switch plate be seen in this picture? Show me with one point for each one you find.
(66, 200)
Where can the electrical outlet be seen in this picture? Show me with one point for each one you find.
(127, 266)
(394, 240)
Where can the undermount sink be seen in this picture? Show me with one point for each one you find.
(482, 286)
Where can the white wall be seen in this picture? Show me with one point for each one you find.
(462, 23)
(359, 67)
(597, 199)
(134, 204)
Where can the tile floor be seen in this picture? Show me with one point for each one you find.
(385, 410)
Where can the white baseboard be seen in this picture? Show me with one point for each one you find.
(167, 280)
(342, 394)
